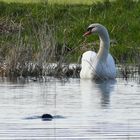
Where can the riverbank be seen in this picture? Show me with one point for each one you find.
(46, 33)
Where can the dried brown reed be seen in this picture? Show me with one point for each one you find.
(26, 59)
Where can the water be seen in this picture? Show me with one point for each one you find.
(87, 110)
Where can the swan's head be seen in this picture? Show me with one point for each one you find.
(95, 28)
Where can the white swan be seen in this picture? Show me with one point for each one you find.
(99, 65)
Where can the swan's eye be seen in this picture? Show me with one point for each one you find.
(90, 28)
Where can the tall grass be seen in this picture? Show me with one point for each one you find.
(22, 1)
(37, 33)
(54, 1)
(72, 1)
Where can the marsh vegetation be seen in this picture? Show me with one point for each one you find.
(35, 35)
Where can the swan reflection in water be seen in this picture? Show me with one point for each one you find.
(96, 93)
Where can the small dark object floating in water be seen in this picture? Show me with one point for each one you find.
(47, 117)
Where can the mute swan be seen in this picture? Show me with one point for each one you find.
(98, 65)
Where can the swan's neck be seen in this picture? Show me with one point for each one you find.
(104, 46)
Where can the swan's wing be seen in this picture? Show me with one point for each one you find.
(104, 69)
(87, 64)
(89, 56)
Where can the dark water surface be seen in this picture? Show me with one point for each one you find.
(86, 110)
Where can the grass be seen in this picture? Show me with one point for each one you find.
(73, 1)
(54, 1)
(19, 1)
(42, 32)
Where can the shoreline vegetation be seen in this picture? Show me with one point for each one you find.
(34, 36)
(86, 2)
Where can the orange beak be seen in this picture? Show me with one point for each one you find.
(87, 33)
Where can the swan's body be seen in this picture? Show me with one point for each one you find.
(98, 65)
